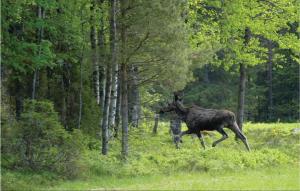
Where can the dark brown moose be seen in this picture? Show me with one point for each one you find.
(199, 119)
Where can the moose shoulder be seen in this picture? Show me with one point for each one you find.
(199, 119)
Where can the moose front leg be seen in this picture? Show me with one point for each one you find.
(201, 139)
(184, 133)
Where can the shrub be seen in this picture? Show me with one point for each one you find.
(41, 143)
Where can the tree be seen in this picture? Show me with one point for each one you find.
(94, 47)
(124, 78)
(240, 16)
(114, 64)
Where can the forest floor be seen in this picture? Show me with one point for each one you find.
(154, 163)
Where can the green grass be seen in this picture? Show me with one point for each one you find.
(266, 179)
(154, 163)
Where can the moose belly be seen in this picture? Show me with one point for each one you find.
(197, 125)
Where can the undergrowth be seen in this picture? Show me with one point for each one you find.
(273, 146)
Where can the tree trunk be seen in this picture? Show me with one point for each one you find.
(18, 99)
(206, 73)
(81, 82)
(64, 104)
(80, 93)
(106, 110)
(35, 76)
(135, 98)
(118, 108)
(113, 33)
(124, 110)
(241, 96)
(114, 96)
(242, 83)
(106, 105)
(156, 118)
(270, 81)
(93, 38)
(102, 87)
(40, 33)
(102, 68)
(124, 78)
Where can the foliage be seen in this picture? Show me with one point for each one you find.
(39, 142)
(274, 147)
(194, 46)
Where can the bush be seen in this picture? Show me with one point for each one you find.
(39, 142)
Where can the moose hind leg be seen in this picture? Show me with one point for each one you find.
(201, 139)
(224, 136)
(239, 134)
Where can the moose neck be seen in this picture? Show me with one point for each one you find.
(181, 110)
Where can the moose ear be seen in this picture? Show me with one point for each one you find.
(176, 97)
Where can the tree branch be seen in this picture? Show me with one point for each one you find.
(138, 47)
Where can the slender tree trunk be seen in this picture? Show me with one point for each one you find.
(124, 79)
(130, 94)
(35, 75)
(18, 99)
(102, 68)
(106, 106)
(80, 98)
(80, 94)
(81, 84)
(106, 110)
(135, 98)
(40, 32)
(113, 33)
(114, 97)
(270, 81)
(124, 110)
(64, 104)
(103, 87)
(241, 96)
(93, 38)
(206, 75)
(118, 108)
(242, 83)
(156, 118)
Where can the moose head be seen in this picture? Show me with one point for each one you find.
(176, 106)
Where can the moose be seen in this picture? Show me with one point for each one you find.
(199, 119)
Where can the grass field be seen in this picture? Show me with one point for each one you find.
(265, 179)
(154, 163)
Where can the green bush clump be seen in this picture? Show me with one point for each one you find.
(39, 142)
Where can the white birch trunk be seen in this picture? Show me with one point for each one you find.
(113, 25)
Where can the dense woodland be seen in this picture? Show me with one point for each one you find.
(103, 68)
